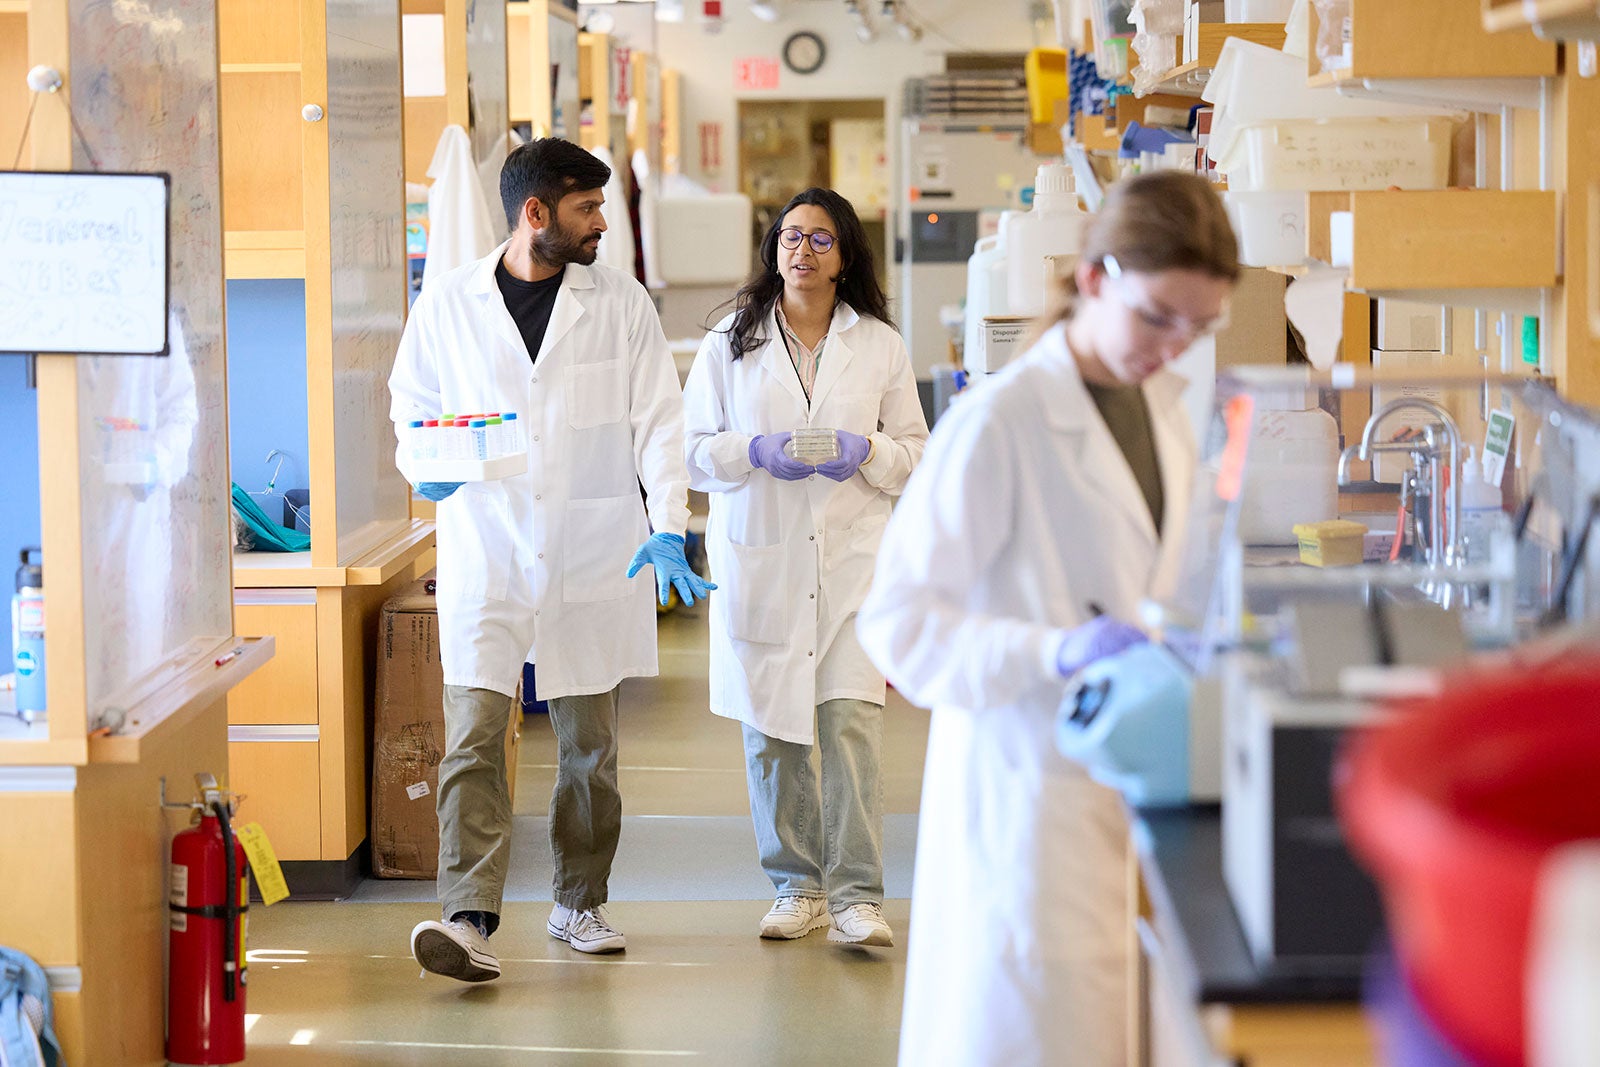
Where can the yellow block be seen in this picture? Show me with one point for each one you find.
(1046, 73)
(1333, 543)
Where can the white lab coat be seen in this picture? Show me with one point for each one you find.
(533, 567)
(1023, 514)
(461, 228)
(793, 560)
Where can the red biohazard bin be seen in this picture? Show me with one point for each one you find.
(1453, 804)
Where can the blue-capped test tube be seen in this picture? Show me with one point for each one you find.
(480, 439)
(513, 431)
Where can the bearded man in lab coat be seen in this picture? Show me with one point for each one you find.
(538, 567)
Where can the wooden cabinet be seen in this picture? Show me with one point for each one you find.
(542, 67)
(472, 37)
(311, 132)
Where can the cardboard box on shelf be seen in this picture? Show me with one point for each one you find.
(408, 737)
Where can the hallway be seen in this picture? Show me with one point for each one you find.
(334, 983)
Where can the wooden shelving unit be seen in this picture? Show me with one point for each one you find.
(1189, 79)
(313, 150)
(1415, 242)
(541, 37)
(1442, 41)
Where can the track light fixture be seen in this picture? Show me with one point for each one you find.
(865, 32)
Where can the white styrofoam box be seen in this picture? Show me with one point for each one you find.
(703, 240)
(1252, 83)
(1271, 227)
(1389, 466)
(1340, 154)
(1404, 326)
(1257, 10)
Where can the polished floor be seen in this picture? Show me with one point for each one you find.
(334, 983)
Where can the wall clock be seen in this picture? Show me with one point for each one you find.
(804, 52)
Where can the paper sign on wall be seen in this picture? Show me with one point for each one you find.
(755, 72)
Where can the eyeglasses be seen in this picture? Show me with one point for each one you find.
(1158, 321)
(822, 241)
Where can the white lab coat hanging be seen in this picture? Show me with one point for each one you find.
(533, 567)
(1024, 513)
(793, 560)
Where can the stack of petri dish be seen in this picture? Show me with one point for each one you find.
(812, 445)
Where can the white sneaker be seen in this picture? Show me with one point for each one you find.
(586, 930)
(794, 916)
(454, 949)
(861, 924)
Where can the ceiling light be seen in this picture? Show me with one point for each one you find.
(765, 10)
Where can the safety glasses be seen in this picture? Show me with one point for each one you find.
(1158, 321)
(822, 241)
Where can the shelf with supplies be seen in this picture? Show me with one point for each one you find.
(1550, 19)
(1413, 242)
(1189, 79)
(1435, 52)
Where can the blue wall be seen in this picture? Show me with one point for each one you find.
(267, 387)
(19, 482)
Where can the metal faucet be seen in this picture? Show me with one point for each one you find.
(1445, 548)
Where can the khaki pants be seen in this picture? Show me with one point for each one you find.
(474, 803)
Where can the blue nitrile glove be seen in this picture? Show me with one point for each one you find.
(1101, 636)
(437, 491)
(853, 451)
(768, 453)
(664, 552)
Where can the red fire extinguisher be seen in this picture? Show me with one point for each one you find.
(206, 908)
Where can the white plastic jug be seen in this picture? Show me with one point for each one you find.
(1054, 227)
(986, 291)
(1294, 467)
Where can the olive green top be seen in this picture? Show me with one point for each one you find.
(1127, 415)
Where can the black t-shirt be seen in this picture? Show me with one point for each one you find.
(530, 304)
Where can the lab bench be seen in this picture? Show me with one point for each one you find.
(1203, 1000)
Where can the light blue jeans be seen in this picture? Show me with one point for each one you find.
(827, 842)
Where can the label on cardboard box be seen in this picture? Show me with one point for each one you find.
(1003, 337)
(418, 791)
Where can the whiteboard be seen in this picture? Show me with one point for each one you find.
(84, 268)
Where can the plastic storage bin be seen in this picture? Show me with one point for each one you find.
(1271, 227)
(1340, 154)
(1455, 805)
(1252, 83)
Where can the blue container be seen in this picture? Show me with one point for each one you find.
(1126, 719)
(530, 705)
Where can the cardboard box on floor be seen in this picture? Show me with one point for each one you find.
(408, 738)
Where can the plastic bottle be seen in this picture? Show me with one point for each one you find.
(1294, 467)
(1481, 510)
(479, 448)
(497, 435)
(513, 430)
(27, 636)
(986, 291)
(1054, 227)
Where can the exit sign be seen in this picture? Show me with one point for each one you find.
(755, 72)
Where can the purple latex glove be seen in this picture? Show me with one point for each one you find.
(853, 450)
(768, 453)
(1101, 636)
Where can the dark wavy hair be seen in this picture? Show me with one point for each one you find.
(858, 274)
(547, 169)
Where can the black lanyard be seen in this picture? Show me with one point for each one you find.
(783, 335)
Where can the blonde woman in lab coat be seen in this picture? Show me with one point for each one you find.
(1049, 505)
(791, 547)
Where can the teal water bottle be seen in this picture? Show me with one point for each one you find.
(27, 636)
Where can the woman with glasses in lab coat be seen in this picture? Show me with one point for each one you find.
(791, 545)
(1049, 504)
